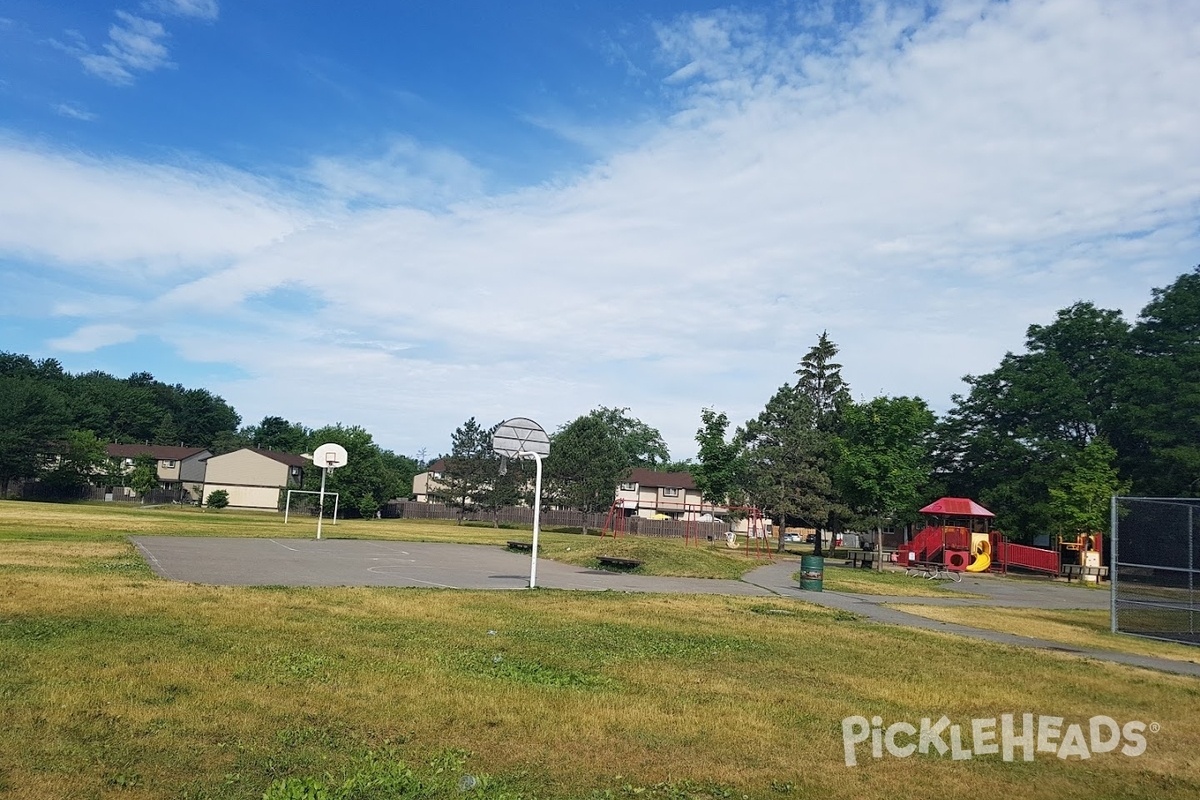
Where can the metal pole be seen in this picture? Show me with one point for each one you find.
(321, 508)
(1192, 573)
(336, 497)
(537, 517)
(287, 507)
(1112, 569)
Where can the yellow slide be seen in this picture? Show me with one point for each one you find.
(983, 558)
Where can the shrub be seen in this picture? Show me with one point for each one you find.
(218, 499)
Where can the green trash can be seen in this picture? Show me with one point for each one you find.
(812, 573)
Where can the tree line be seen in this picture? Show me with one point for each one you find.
(54, 427)
(1093, 406)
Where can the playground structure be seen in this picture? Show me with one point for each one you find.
(614, 523)
(958, 535)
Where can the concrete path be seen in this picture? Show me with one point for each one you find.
(354, 562)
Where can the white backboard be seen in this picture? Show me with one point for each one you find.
(329, 456)
(520, 435)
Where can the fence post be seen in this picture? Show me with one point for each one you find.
(1112, 570)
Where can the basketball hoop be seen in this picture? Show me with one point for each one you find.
(521, 437)
(328, 456)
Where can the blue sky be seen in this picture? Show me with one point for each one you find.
(401, 215)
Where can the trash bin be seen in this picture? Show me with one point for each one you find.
(812, 573)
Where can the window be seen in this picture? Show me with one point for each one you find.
(170, 463)
(670, 493)
(628, 487)
(129, 462)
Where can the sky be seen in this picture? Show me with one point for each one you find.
(403, 215)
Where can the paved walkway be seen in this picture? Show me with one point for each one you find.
(355, 562)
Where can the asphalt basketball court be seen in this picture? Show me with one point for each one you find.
(354, 562)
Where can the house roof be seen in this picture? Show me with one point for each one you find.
(957, 507)
(283, 458)
(161, 452)
(437, 466)
(661, 480)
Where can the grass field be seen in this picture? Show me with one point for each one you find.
(114, 683)
(1076, 628)
(889, 583)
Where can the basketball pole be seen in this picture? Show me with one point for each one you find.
(537, 515)
(321, 507)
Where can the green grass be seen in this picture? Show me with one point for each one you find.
(114, 683)
(658, 556)
(888, 583)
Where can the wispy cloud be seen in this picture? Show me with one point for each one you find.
(404, 174)
(922, 187)
(136, 44)
(91, 337)
(197, 9)
(74, 111)
(125, 219)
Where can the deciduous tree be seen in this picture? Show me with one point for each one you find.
(143, 478)
(367, 481)
(641, 445)
(884, 458)
(720, 471)
(1080, 497)
(81, 461)
(32, 418)
(585, 464)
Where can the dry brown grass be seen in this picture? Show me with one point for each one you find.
(1078, 628)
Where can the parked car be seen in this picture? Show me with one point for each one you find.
(810, 538)
(793, 538)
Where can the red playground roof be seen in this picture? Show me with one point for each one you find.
(957, 507)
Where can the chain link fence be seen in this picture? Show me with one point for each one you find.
(1156, 567)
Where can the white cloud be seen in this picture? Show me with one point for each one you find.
(923, 189)
(135, 44)
(120, 218)
(74, 111)
(197, 9)
(92, 337)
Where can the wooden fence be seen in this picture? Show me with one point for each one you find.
(523, 515)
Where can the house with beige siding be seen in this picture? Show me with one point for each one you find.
(252, 477)
(650, 494)
(427, 484)
(177, 467)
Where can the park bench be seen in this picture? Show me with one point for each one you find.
(525, 546)
(1080, 570)
(619, 563)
